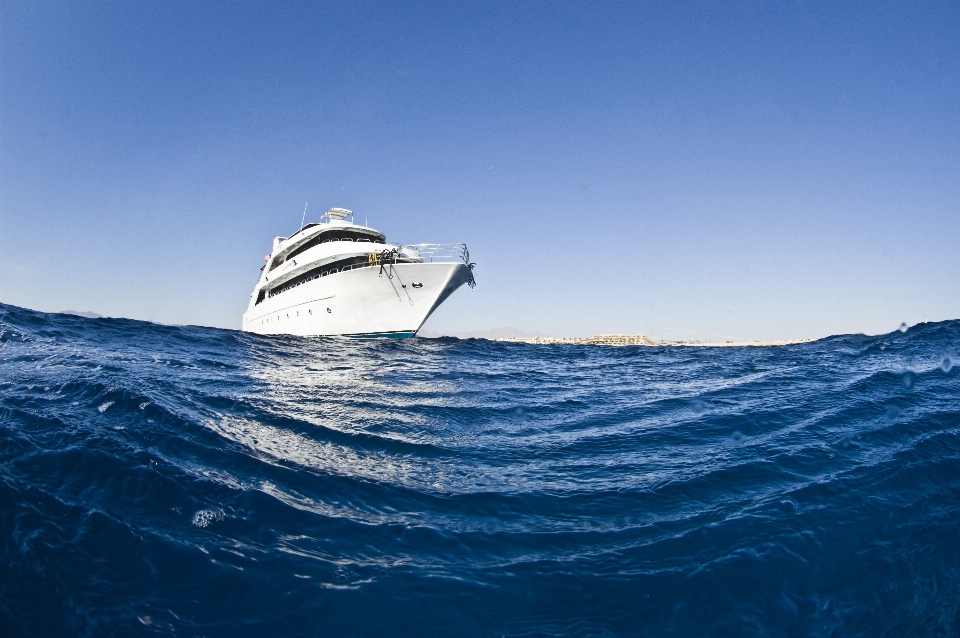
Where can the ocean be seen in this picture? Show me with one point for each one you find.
(187, 481)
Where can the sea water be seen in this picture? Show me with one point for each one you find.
(185, 481)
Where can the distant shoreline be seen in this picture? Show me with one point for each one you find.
(512, 335)
(643, 340)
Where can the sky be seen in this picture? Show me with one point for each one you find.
(761, 170)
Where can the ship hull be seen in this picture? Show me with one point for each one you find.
(389, 301)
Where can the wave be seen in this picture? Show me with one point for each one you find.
(165, 479)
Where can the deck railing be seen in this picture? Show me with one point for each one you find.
(434, 253)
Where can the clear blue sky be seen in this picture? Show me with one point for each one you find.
(762, 169)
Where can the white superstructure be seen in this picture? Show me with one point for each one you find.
(338, 278)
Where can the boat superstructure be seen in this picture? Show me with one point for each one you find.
(340, 278)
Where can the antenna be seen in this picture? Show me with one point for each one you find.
(304, 217)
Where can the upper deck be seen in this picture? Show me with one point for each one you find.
(334, 230)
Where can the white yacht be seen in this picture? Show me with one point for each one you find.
(339, 278)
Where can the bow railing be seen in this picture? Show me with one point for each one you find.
(437, 253)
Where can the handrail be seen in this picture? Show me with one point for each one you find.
(438, 253)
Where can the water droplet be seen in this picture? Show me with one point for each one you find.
(892, 413)
(947, 364)
(903, 327)
(909, 380)
(518, 411)
(698, 406)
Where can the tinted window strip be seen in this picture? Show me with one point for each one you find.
(322, 271)
(332, 235)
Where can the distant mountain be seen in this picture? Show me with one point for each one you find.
(493, 333)
(82, 313)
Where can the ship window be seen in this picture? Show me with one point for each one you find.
(328, 236)
(307, 246)
(341, 265)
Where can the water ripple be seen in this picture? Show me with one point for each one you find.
(192, 481)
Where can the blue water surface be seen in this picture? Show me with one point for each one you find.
(185, 481)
